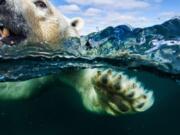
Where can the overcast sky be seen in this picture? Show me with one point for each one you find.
(102, 13)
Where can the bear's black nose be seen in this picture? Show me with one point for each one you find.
(2, 2)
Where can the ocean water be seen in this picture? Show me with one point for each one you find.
(152, 55)
(59, 110)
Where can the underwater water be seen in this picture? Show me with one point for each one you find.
(59, 110)
(152, 55)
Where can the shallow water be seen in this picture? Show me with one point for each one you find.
(59, 110)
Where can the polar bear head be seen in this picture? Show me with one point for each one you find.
(36, 21)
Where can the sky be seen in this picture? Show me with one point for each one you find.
(99, 14)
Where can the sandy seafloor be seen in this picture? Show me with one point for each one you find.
(59, 111)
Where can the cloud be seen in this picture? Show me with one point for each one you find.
(93, 12)
(164, 16)
(123, 4)
(114, 19)
(168, 14)
(68, 9)
(100, 18)
(99, 14)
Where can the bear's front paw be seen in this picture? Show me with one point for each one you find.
(118, 94)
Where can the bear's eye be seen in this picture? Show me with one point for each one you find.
(40, 4)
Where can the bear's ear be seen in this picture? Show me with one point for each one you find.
(77, 23)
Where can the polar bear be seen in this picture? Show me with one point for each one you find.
(36, 21)
(101, 90)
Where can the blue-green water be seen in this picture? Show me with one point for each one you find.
(154, 49)
(148, 54)
(59, 110)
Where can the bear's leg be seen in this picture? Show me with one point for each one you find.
(106, 91)
(102, 91)
(22, 89)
